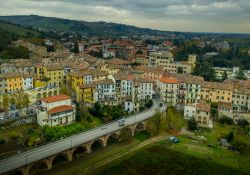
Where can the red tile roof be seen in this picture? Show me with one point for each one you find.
(56, 98)
(60, 109)
(169, 80)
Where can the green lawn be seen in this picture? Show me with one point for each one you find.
(161, 160)
(22, 31)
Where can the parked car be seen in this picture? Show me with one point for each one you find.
(174, 139)
(12, 115)
(17, 114)
(1, 117)
(13, 107)
(160, 105)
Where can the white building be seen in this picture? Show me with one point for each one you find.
(27, 83)
(168, 87)
(105, 90)
(56, 110)
(189, 111)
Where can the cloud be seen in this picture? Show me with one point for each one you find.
(178, 15)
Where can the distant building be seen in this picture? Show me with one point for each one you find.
(56, 110)
(200, 111)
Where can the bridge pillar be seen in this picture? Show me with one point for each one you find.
(26, 169)
(88, 147)
(49, 162)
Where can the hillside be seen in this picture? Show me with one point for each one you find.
(9, 33)
(18, 30)
(81, 27)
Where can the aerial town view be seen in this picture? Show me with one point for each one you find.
(125, 87)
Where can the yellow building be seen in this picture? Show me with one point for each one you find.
(12, 82)
(75, 79)
(85, 93)
(54, 75)
(217, 92)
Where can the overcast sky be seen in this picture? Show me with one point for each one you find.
(174, 15)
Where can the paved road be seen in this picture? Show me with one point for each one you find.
(70, 142)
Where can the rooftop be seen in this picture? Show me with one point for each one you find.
(56, 98)
(60, 109)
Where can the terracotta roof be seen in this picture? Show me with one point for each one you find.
(117, 61)
(203, 106)
(56, 98)
(60, 109)
(169, 80)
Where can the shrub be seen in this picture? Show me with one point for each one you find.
(126, 135)
(242, 123)
(226, 120)
(192, 124)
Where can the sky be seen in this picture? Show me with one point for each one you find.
(170, 15)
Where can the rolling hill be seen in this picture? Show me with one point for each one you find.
(81, 27)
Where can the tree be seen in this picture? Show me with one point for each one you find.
(64, 90)
(149, 103)
(126, 135)
(241, 75)
(154, 124)
(230, 136)
(5, 102)
(192, 124)
(226, 120)
(96, 110)
(76, 47)
(21, 100)
(242, 123)
(240, 143)
(224, 76)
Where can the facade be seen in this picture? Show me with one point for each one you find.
(168, 88)
(166, 60)
(56, 110)
(216, 92)
(200, 111)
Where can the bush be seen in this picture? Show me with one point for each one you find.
(2, 141)
(192, 124)
(226, 120)
(126, 135)
(141, 136)
(149, 104)
(242, 123)
(240, 143)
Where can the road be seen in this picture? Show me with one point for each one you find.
(53, 148)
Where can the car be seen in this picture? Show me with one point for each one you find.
(174, 139)
(38, 102)
(121, 123)
(28, 111)
(13, 107)
(12, 115)
(1, 117)
(17, 114)
(160, 105)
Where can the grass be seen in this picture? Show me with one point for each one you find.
(22, 31)
(79, 165)
(20, 131)
(159, 159)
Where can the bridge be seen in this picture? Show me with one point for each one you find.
(70, 146)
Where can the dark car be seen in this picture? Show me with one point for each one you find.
(17, 114)
(13, 107)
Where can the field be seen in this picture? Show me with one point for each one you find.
(189, 156)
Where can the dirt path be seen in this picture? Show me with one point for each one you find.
(117, 156)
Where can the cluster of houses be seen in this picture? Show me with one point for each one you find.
(194, 96)
(117, 81)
